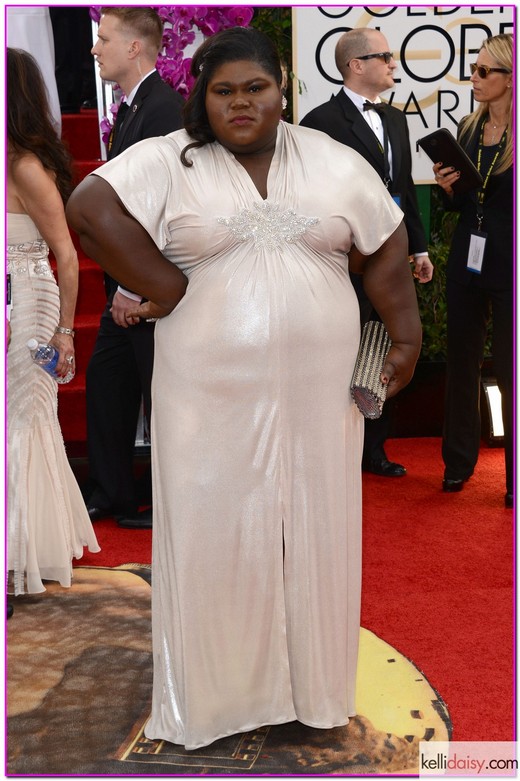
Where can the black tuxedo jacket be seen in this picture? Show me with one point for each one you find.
(155, 111)
(341, 120)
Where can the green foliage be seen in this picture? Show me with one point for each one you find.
(276, 22)
(432, 295)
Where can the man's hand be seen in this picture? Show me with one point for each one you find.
(423, 269)
(121, 306)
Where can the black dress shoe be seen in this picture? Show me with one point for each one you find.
(509, 501)
(96, 513)
(143, 520)
(384, 468)
(452, 486)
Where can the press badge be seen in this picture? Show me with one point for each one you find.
(477, 245)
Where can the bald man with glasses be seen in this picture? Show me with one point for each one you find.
(357, 117)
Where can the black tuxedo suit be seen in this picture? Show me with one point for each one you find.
(155, 111)
(120, 369)
(343, 121)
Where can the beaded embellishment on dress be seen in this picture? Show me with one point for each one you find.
(30, 258)
(267, 225)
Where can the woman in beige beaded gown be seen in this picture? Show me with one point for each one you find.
(47, 520)
(240, 228)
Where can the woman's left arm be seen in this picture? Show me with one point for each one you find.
(389, 285)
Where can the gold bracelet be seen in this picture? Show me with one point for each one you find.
(61, 330)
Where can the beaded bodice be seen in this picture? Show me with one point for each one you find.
(27, 252)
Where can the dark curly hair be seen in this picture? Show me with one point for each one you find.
(236, 43)
(29, 123)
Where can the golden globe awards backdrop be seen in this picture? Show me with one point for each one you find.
(432, 45)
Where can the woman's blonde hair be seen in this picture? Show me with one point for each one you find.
(500, 48)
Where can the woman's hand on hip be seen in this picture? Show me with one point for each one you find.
(148, 311)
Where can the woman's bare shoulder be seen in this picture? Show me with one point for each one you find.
(27, 165)
(29, 178)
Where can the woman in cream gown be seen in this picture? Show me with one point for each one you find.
(256, 444)
(47, 522)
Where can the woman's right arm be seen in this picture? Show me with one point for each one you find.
(121, 246)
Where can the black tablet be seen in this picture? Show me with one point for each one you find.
(441, 146)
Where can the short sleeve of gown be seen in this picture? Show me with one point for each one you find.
(142, 176)
(373, 214)
(345, 187)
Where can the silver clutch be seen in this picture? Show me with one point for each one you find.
(366, 387)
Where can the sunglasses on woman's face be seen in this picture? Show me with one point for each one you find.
(484, 70)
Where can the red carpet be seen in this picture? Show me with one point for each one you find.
(438, 583)
(437, 580)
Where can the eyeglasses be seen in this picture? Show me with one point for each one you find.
(387, 56)
(484, 70)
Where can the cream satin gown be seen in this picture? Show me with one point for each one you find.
(47, 521)
(256, 442)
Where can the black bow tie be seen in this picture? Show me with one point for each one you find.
(378, 107)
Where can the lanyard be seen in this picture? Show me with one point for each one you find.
(482, 191)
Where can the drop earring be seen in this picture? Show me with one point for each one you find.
(284, 102)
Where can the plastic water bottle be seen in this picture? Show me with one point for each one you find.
(47, 356)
